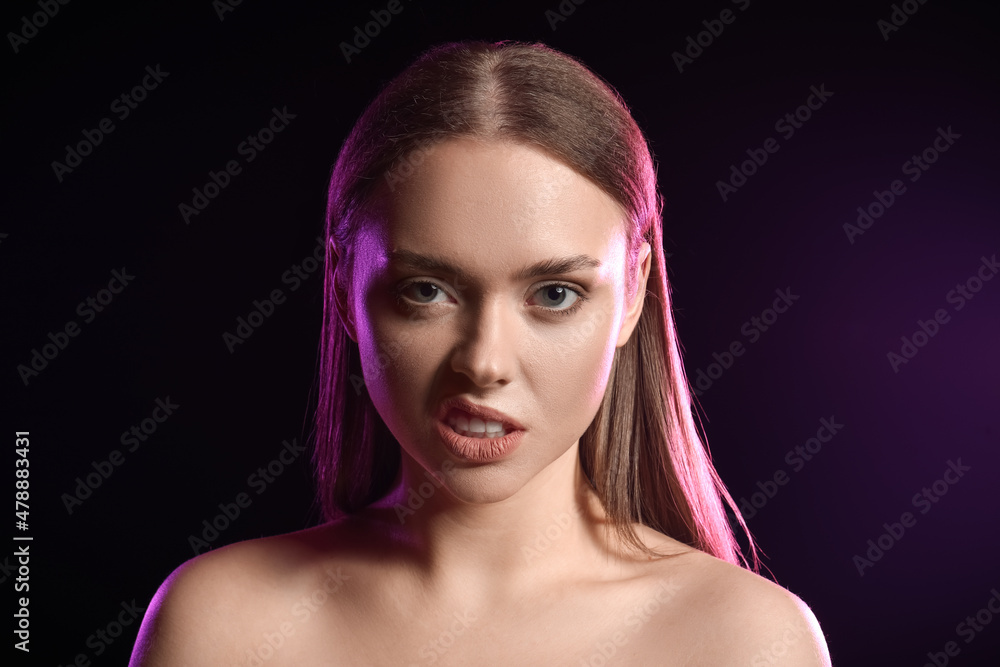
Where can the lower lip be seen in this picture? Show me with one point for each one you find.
(479, 450)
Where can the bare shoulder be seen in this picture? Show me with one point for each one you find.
(205, 610)
(740, 616)
(762, 620)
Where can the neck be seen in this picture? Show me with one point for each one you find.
(546, 531)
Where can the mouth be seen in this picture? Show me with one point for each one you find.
(477, 434)
(471, 420)
(471, 426)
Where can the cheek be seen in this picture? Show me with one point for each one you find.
(396, 362)
(570, 368)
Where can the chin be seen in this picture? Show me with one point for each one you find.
(470, 484)
(483, 487)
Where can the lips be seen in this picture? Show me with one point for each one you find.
(481, 411)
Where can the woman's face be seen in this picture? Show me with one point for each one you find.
(471, 324)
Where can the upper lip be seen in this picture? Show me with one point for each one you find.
(481, 411)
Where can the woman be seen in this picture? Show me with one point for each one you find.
(505, 450)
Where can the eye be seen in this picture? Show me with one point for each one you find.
(558, 298)
(561, 297)
(419, 291)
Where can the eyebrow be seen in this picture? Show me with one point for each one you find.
(554, 265)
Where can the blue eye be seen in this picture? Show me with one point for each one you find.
(564, 299)
(560, 294)
(425, 290)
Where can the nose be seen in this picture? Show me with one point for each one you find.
(488, 340)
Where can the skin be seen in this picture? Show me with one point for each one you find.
(511, 558)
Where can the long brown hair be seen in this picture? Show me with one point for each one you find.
(642, 453)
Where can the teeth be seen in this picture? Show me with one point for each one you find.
(482, 435)
(474, 427)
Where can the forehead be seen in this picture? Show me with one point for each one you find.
(491, 201)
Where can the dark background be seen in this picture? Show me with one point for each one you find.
(826, 357)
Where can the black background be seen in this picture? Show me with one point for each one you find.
(826, 357)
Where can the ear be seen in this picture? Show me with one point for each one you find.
(340, 296)
(634, 308)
